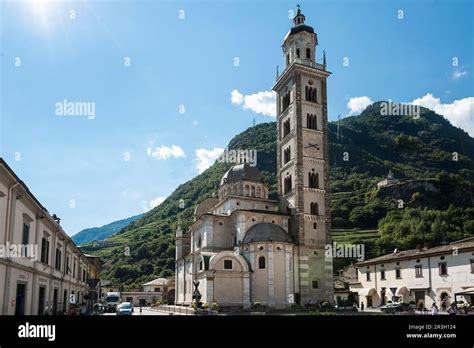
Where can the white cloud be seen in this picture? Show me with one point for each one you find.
(458, 73)
(157, 201)
(358, 104)
(236, 97)
(205, 158)
(261, 103)
(164, 152)
(459, 112)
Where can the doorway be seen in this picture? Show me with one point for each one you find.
(65, 302)
(444, 300)
(55, 301)
(41, 297)
(20, 299)
(369, 301)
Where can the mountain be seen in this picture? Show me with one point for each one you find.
(367, 147)
(100, 233)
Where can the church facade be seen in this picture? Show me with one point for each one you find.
(244, 248)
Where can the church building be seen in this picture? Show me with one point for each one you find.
(244, 248)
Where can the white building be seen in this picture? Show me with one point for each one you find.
(160, 289)
(42, 278)
(441, 274)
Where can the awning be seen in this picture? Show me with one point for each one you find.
(420, 287)
(367, 292)
(467, 291)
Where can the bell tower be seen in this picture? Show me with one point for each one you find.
(303, 159)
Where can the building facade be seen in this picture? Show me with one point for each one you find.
(244, 248)
(438, 275)
(160, 289)
(42, 271)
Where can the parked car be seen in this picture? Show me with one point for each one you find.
(392, 308)
(125, 308)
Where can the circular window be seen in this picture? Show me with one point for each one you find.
(442, 258)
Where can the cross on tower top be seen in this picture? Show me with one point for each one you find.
(299, 18)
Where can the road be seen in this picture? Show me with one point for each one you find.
(145, 311)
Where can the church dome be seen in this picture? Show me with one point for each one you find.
(242, 172)
(266, 232)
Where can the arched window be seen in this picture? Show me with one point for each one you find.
(287, 155)
(313, 180)
(308, 53)
(314, 209)
(259, 192)
(311, 95)
(261, 262)
(246, 190)
(252, 191)
(241, 189)
(286, 128)
(297, 53)
(311, 121)
(287, 184)
(286, 101)
(198, 242)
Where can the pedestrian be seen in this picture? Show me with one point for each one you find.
(83, 309)
(140, 309)
(362, 306)
(452, 310)
(434, 309)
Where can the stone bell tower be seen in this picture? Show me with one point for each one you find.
(303, 159)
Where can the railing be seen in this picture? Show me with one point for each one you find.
(171, 310)
(305, 62)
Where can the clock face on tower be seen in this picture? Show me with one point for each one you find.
(312, 148)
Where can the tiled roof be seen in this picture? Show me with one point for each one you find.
(467, 243)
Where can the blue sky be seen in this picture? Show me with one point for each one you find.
(170, 110)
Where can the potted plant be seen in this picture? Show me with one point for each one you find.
(215, 307)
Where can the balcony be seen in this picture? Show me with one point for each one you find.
(305, 62)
